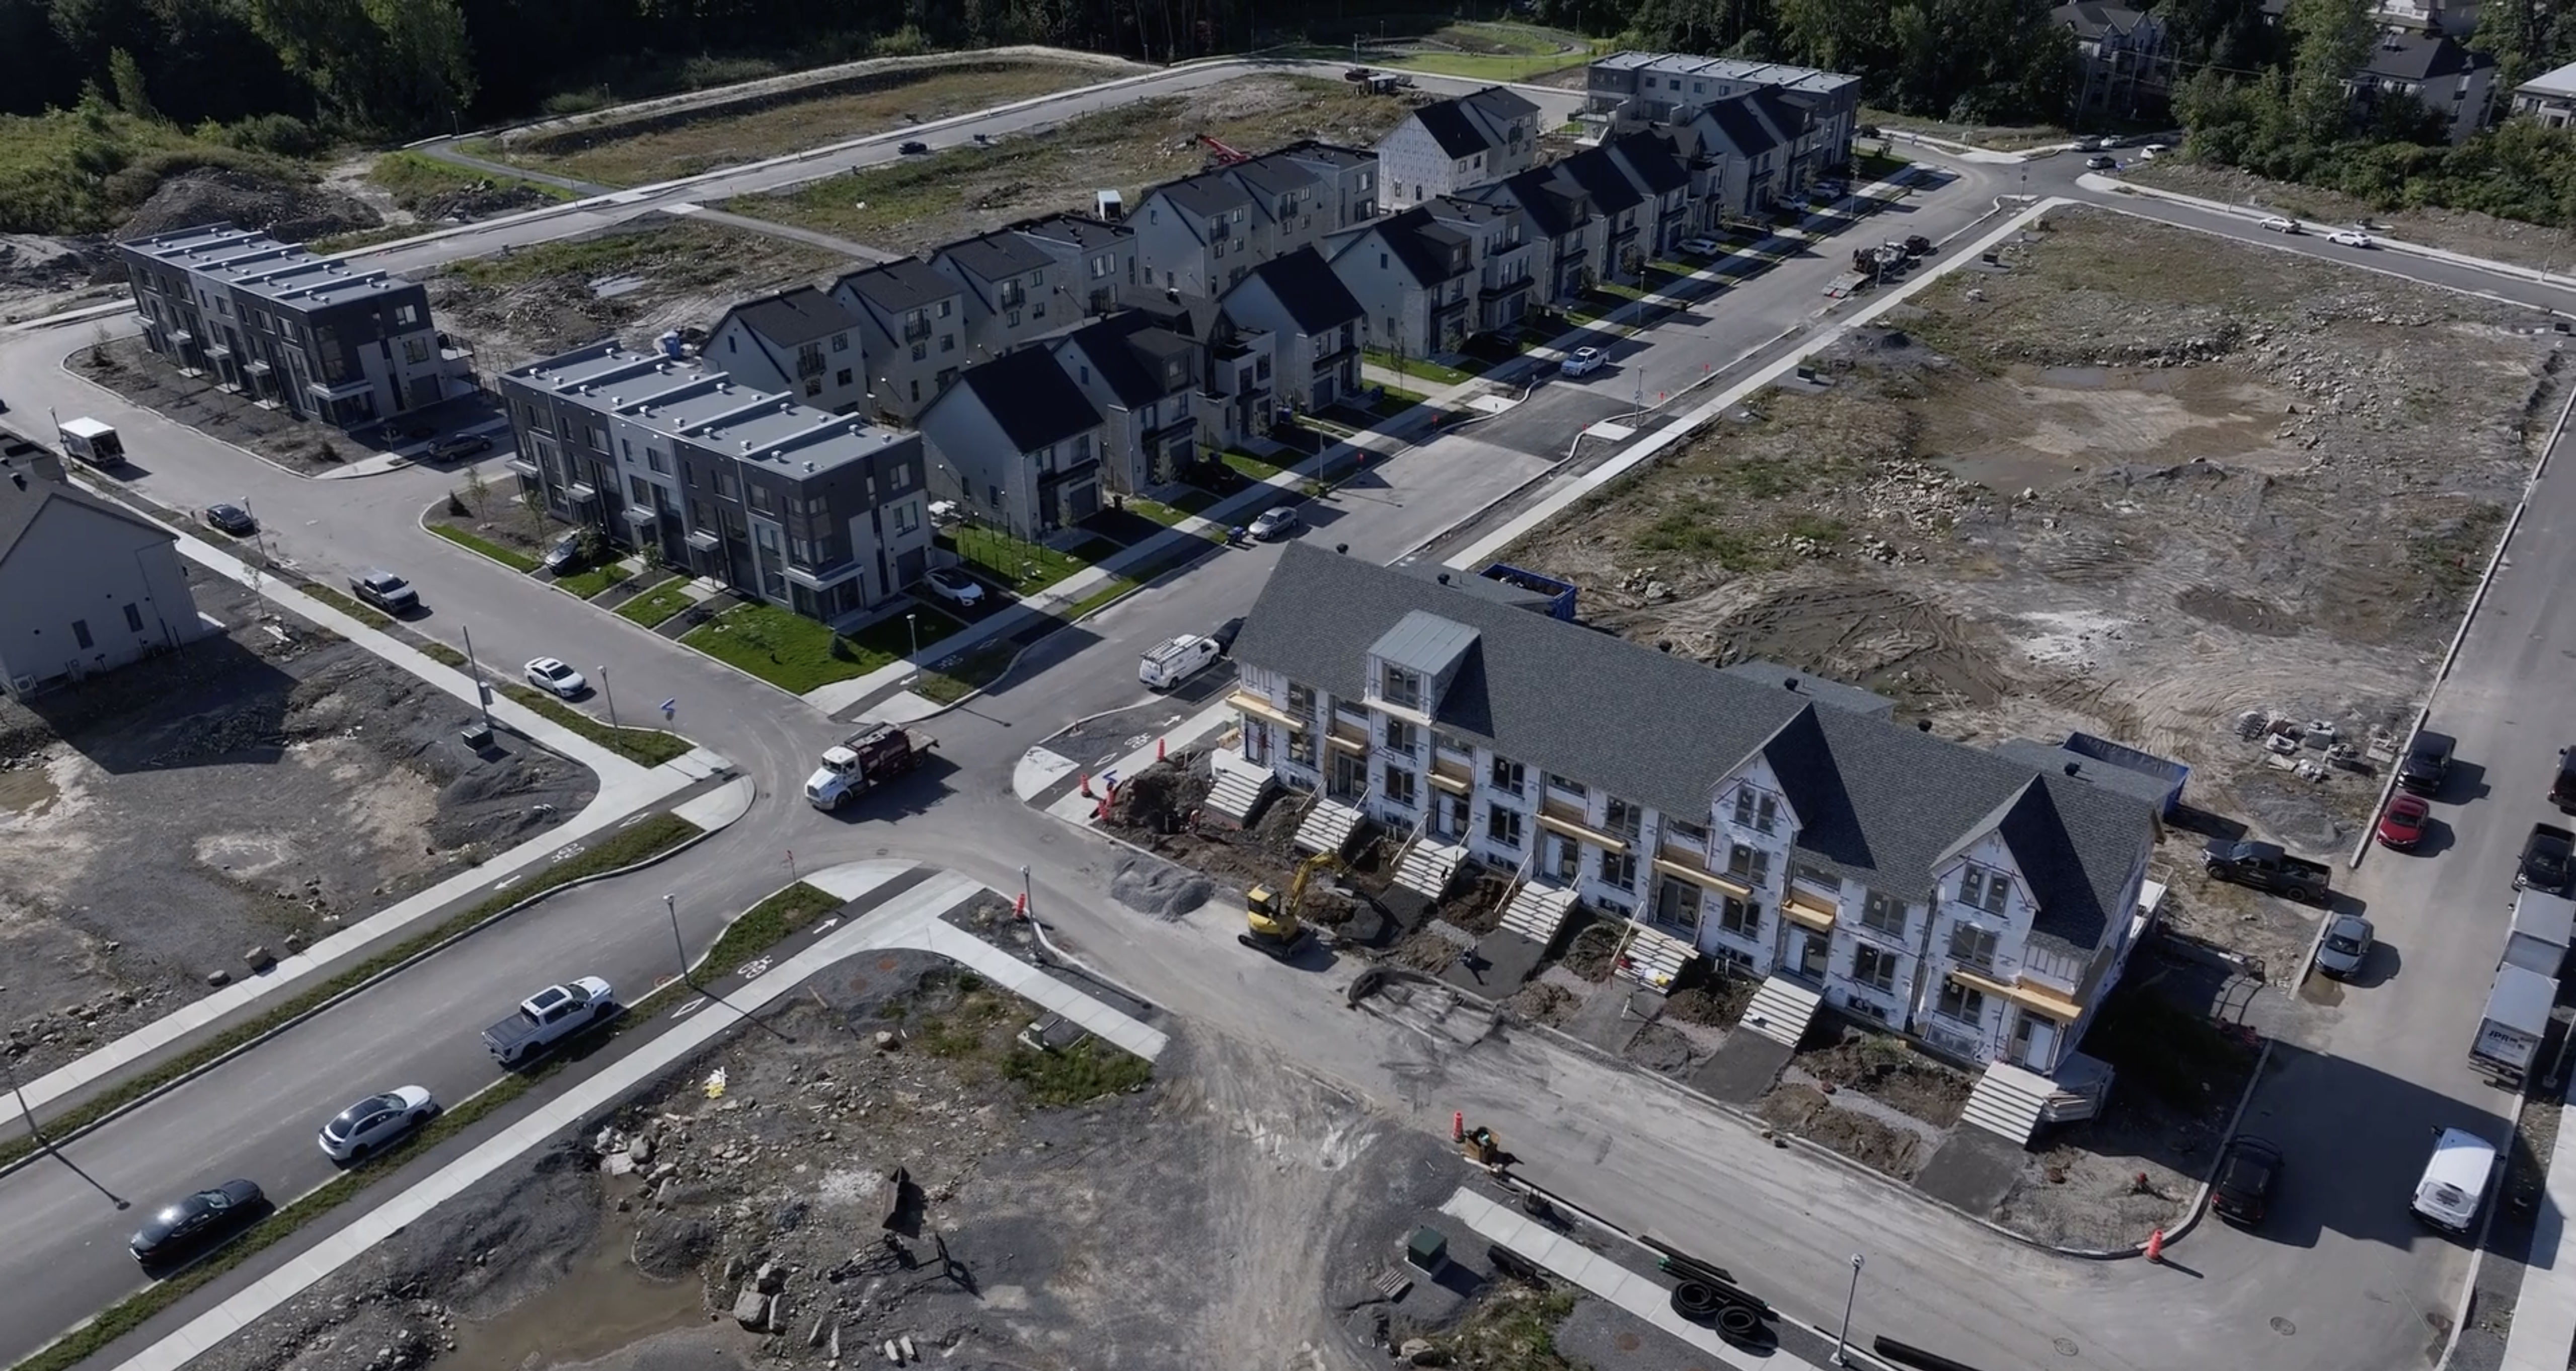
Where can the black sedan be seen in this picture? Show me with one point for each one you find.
(2247, 1174)
(197, 1221)
(232, 519)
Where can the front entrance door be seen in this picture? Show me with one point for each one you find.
(1677, 907)
(2035, 1043)
(1449, 816)
(1350, 776)
(1812, 951)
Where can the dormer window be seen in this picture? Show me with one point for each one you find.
(1980, 888)
(1973, 947)
(1400, 687)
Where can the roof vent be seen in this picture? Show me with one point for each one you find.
(1342, 548)
(746, 445)
(1444, 578)
(1664, 645)
(809, 466)
(2074, 768)
(1791, 683)
(1923, 725)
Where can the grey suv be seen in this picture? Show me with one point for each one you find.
(385, 591)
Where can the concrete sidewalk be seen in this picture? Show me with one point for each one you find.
(2544, 1312)
(625, 789)
(2113, 185)
(909, 920)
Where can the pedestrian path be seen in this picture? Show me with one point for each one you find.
(910, 919)
(2544, 1313)
(1602, 1278)
(1041, 768)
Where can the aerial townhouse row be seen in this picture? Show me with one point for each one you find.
(1983, 902)
(1056, 364)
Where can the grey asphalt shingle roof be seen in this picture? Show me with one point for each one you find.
(997, 256)
(2092, 21)
(1499, 104)
(1450, 127)
(900, 286)
(1736, 127)
(21, 508)
(1878, 802)
(1028, 394)
(2419, 57)
(792, 317)
(1554, 208)
(1129, 350)
(1425, 249)
(1600, 178)
(1651, 160)
(1307, 288)
(1204, 196)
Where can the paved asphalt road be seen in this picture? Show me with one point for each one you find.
(1626, 1146)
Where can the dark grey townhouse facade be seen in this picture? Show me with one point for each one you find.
(798, 342)
(1015, 292)
(912, 329)
(311, 335)
(1315, 326)
(822, 514)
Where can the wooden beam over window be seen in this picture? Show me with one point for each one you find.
(2033, 997)
(1724, 885)
(1260, 707)
(1581, 833)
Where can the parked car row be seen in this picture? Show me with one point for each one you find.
(195, 1223)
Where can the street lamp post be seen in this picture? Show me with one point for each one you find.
(482, 693)
(672, 904)
(912, 625)
(608, 695)
(1843, 1338)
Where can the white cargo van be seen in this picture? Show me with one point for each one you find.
(1170, 663)
(2455, 1180)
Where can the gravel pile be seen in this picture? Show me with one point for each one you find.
(1158, 888)
(283, 209)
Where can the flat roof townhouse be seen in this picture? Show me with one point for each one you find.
(1756, 815)
(822, 514)
(912, 334)
(1018, 443)
(1202, 234)
(312, 335)
(1453, 145)
(1314, 323)
(798, 342)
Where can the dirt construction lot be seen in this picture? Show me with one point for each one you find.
(2136, 481)
(159, 821)
(1216, 1216)
(632, 282)
(956, 192)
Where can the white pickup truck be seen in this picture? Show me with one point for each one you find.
(548, 1017)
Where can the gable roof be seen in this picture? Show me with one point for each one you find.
(1499, 104)
(1129, 350)
(1553, 207)
(1879, 802)
(1449, 126)
(997, 256)
(1650, 160)
(1733, 122)
(21, 505)
(1600, 178)
(2421, 57)
(1419, 244)
(791, 317)
(1204, 196)
(900, 286)
(1031, 398)
(1305, 286)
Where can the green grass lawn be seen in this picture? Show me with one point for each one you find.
(963, 674)
(1192, 500)
(892, 637)
(764, 926)
(1258, 468)
(1156, 510)
(1023, 567)
(1395, 401)
(1116, 587)
(347, 606)
(642, 746)
(787, 650)
(1416, 368)
(588, 584)
(416, 179)
(516, 561)
(658, 604)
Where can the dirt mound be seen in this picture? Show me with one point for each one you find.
(31, 263)
(1159, 888)
(282, 209)
(481, 201)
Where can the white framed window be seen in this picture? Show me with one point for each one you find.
(1874, 967)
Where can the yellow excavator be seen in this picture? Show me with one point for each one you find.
(1272, 923)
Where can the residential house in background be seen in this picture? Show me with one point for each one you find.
(1017, 442)
(1143, 380)
(1630, 88)
(1015, 291)
(1663, 188)
(912, 330)
(311, 335)
(1453, 145)
(2457, 85)
(1314, 323)
(799, 342)
(825, 515)
(1231, 360)
(1784, 826)
(2124, 64)
(2549, 97)
(1094, 257)
(86, 585)
(1737, 158)
(1416, 276)
(1557, 216)
(2458, 18)
(1201, 234)
(1625, 216)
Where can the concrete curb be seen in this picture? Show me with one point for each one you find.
(64, 365)
(2397, 245)
(274, 1030)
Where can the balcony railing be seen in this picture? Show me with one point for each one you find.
(917, 332)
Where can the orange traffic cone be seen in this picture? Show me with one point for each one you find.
(1458, 1126)
(1086, 785)
(2156, 1246)
(1158, 749)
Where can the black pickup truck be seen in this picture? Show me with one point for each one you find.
(2264, 866)
(2546, 856)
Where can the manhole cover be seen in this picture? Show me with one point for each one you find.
(2065, 1347)
(887, 963)
(2283, 1326)
(1627, 1342)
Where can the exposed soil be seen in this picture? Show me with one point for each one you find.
(39, 276)
(274, 782)
(1476, 904)
(1222, 1214)
(1810, 1114)
(289, 211)
(2479, 235)
(1717, 1002)
(306, 447)
(1591, 950)
(1885, 1068)
(2139, 483)
(1542, 1003)
(634, 282)
(960, 191)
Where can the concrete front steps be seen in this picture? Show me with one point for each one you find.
(1240, 792)
(1428, 866)
(1329, 827)
(2015, 1102)
(1537, 911)
(1781, 1010)
(1653, 958)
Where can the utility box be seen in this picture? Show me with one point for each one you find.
(1427, 1250)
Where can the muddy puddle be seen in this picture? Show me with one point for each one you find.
(603, 1305)
(27, 792)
